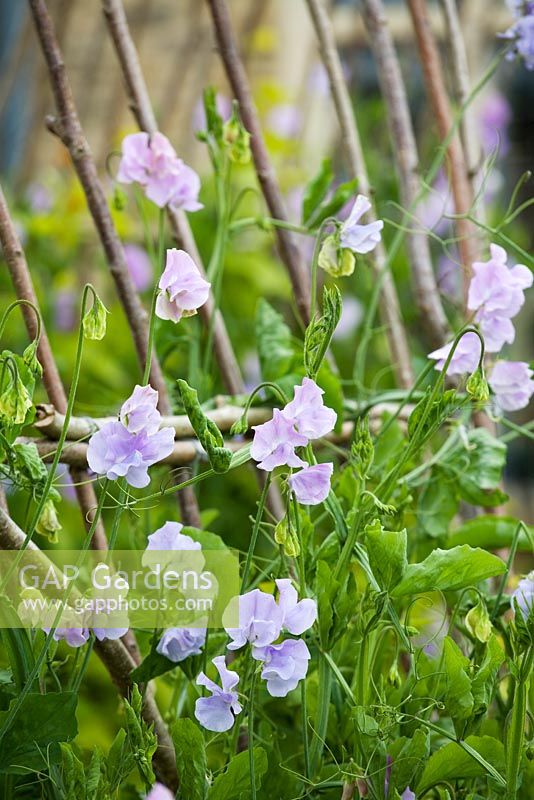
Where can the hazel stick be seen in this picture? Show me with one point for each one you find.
(404, 149)
(389, 303)
(67, 126)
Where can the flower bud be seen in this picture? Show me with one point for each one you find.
(362, 451)
(477, 387)
(48, 524)
(29, 357)
(94, 321)
(335, 260)
(236, 138)
(240, 426)
(478, 623)
(15, 402)
(120, 199)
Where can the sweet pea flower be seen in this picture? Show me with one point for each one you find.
(465, 357)
(183, 289)
(521, 33)
(496, 294)
(129, 447)
(260, 620)
(160, 792)
(360, 238)
(74, 637)
(297, 615)
(524, 595)
(169, 537)
(275, 441)
(408, 794)
(177, 644)
(308, 413)
(150, 160)
(109, 633)
(512, 384)
(312, 484)
(285, 664)
(217, 713)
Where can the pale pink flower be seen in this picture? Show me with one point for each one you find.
(183, 289)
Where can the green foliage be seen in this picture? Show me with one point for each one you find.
(206, 430)
(273, 338)
(477, 468)
(234, 783)
(140, 737)
(387, 554)
(320, 331)
(452, 762)
(190, 759)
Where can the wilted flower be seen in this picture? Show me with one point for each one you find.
(466, 357)
(312, 484)
(177, 644)
(496, 293)
(275, 441)
(357, 237)
(337, 261)
(183, 289)
(512, 384)
(117, 451)
(151, 161)
(308, 413)
(524, 595)
(216, 713)
(285, 664)
(260, 620)
(48, 523)
(297, 615)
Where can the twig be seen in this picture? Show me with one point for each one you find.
(237, 77)
(23, 285)
(389, 303)
(437, 93)
(404, 149)
(143, 112)
(67, 126)
(118, 662)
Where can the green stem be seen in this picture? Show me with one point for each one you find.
(152, 322)
(262, 222)
(516, 735)
(14, 305)
(61, 441)
(255, 531)
(251, 735)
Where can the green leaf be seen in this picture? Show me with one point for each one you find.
(330, 207)
(234, 784)
(316, 190)
(441, 408)
(387, 554)
(152, 666)
(477, 468)
(273, 338)
(458, 697)
(484, 681)
(31, 742)
(190, 759)
(491, 532)
(409, 757)
(452, 762)
(449, 570)
(437, 504)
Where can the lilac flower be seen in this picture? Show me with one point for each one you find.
(160, 792)
(408, 794)
(169, 537)
(140, 411)
(152, 162)
(521, 34)
(312, 484)
(260, 620)
(496, 293)
(524, 595)
(275, 441)
(216, 713)
(139, 266)
(109, 633)
(465, 358)
(74, 637)
(360, 238)
(308, 413)
(177, 644)
(387, 777)
(285, 664)
(512, 384)
(183, 289)
(118, 451)
(297, 615)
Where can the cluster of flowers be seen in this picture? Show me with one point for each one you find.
(496, 294)
(521, 33)
(128, 447)
(285, 663)
(151, 161)
(303, 419)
